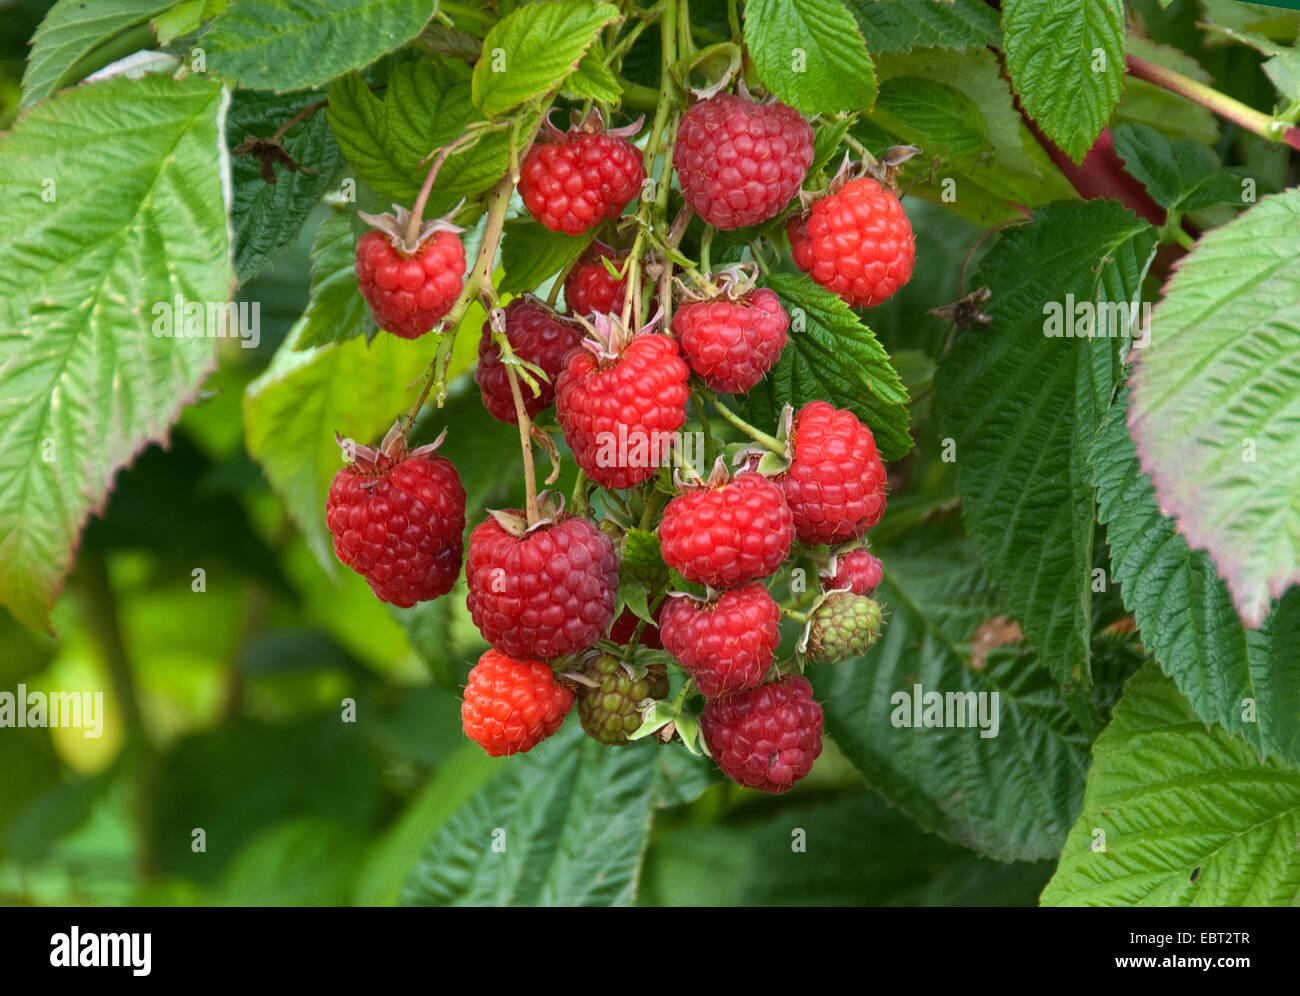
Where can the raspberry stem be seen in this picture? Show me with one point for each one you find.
(758, 435)
(531, 511)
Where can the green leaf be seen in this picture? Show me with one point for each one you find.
(810, 53)
(593, 80)
(301, 862)
(268, 217)
(293, 409)
(1013, 795)
(84, 277)
(336, 311)
(1021, 401)
(1182, 176)
(387, 142)
(1216, 416)
(832, 355)
(564, 825)
(532, 50)
(298, 44)
(1190, 815)
(531, 253)
(902, 25)
(949, 120)
(76, 38)
(1245, 681)
(185, 18)
(1066, 60)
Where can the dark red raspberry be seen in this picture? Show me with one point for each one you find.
(578, 179)
(726, 645)
(621, 404)
(856, 571)
(624, 626)
(537, 334)
(729, 535)
(511, 706)
(835, 485)
(589, 289)
(732, 344)
(738, 162)
(546, 594)
(397, 519)
(856, 243)
(768, 737)
(409, 293)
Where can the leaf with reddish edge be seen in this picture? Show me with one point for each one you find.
(1216, 401)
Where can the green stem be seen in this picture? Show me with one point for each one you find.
(706, 243)
(758, 435)
(801, 617)
(1220, 103)
(456, 9)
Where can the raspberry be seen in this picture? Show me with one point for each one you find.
(538, 335)
(397, 519)
(726, 645)
(738, 162)
(835, 485)
(727, 536)
(621, 630)
(844, 625)
(732, 344)
(589, 289)
(576, 180)
(856, 571)
(545, 594)
(620, 405)
(409, 292)
(511, 706)
(768, 737)
(610, 712)
(856, 243)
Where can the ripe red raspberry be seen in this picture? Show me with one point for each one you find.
(397, 519)
(835, 485)
(409, 287)
(620, 402)
(768, 737)
(732, 344)
(589, 289)
(726, 645)
(511, 706)
(576, 180)
(738, 162)
(545, 594)
(856, 571)
(621, 630)
(537, 334)
(856, 243)
(727, 535)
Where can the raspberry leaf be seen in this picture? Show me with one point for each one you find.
(94, 251)
(901, 25)
(1181, 175)
(1140, 848)
(1243, 680)
(531, 254)
(297, 44)
(267, 217)
(571, 817)
(532, 50)
(1216, 413)
(810, 53)
(335, 311)
(1022, 406)
(833, 356)
(1012, 796)
(1066, 60)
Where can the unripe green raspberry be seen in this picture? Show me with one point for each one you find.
(609, 710)
(845, 625)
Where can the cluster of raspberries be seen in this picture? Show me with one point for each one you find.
(544, 594)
